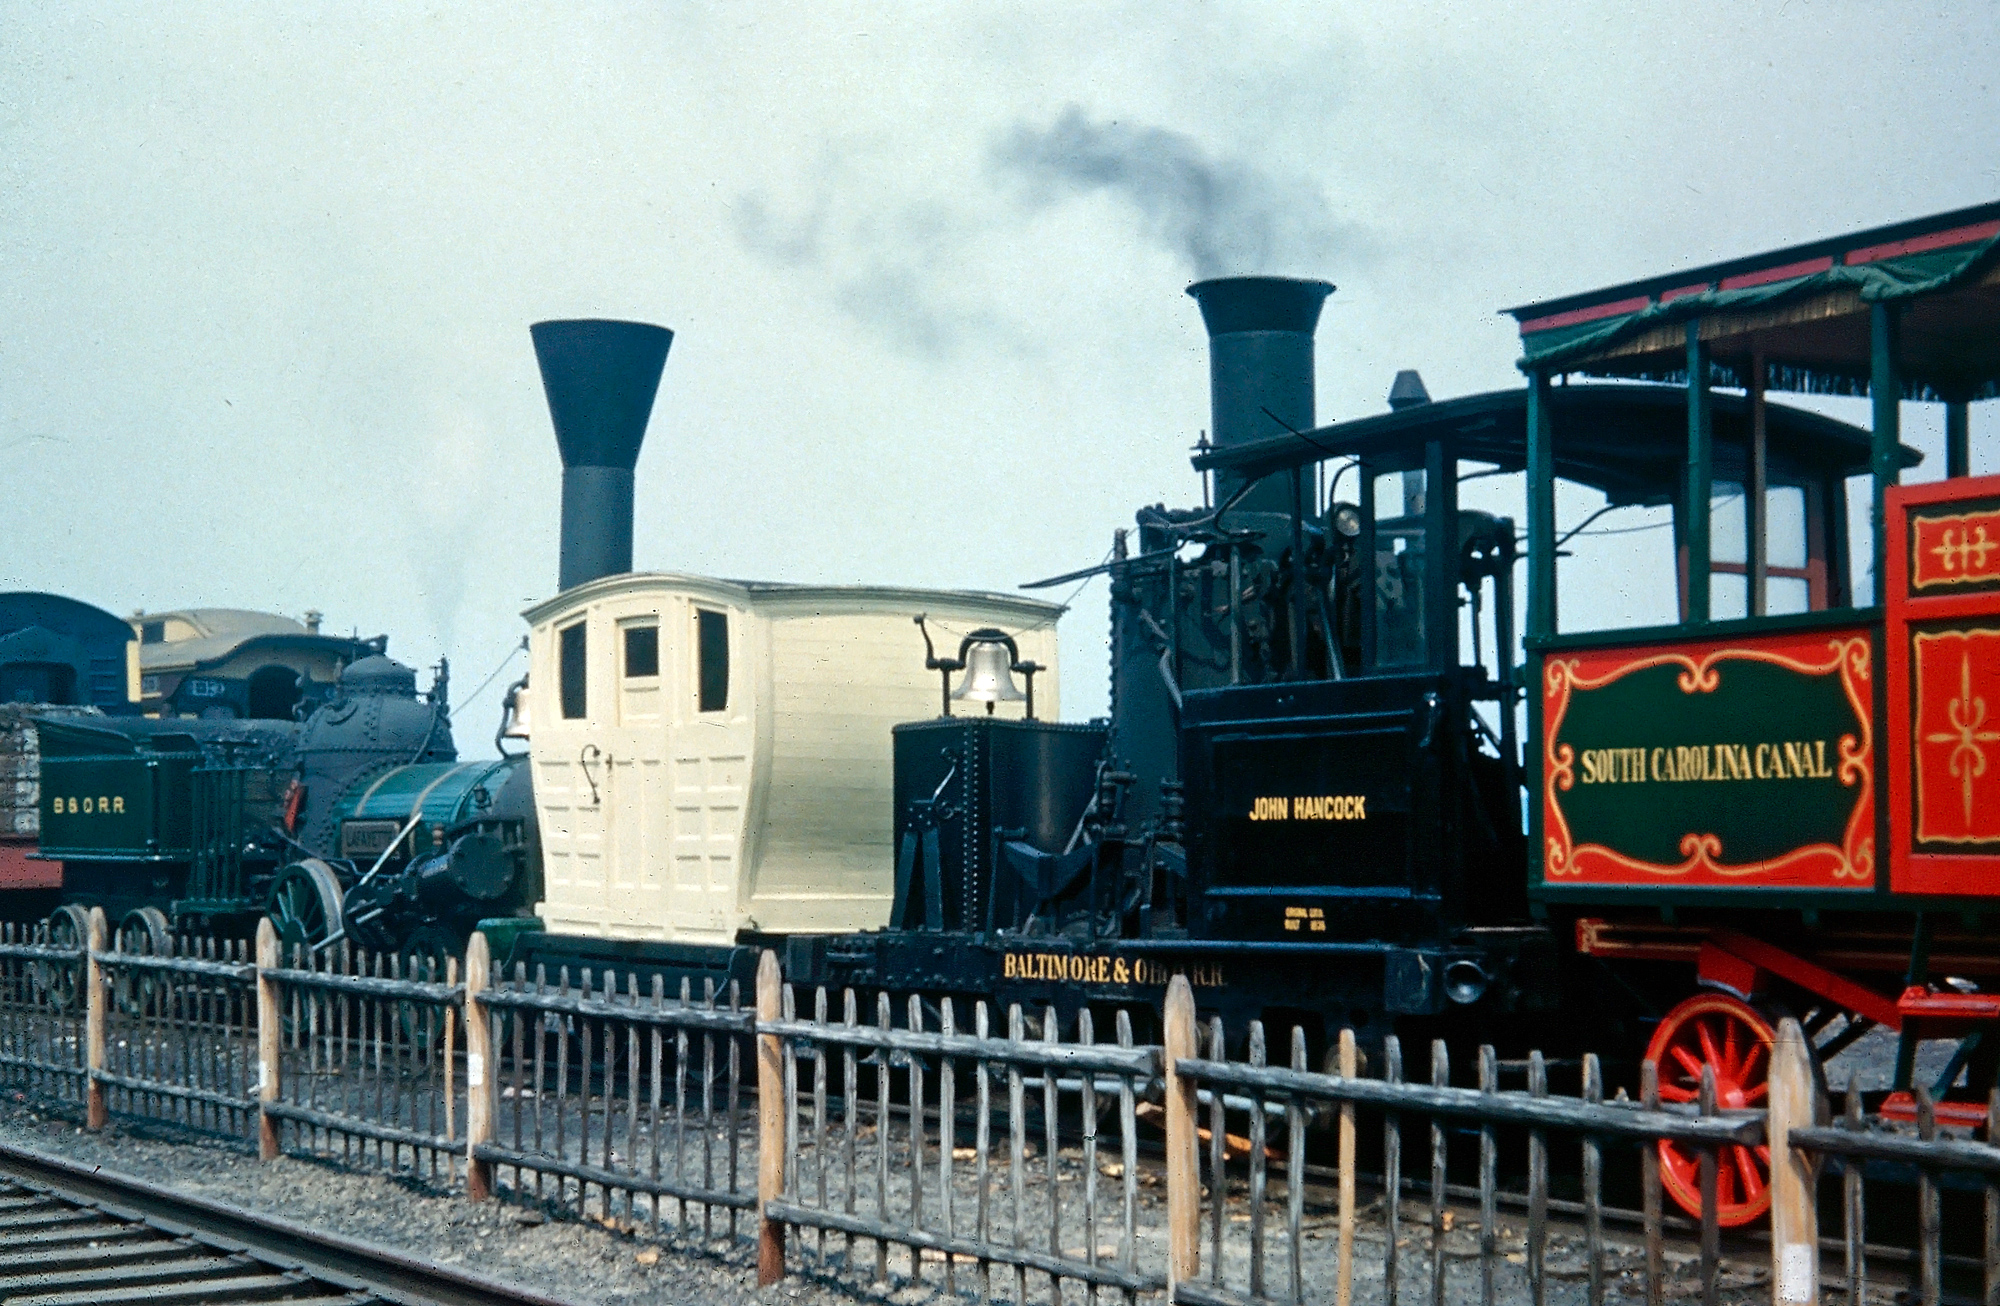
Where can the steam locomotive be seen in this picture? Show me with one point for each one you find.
(356, 823)
(1313, 795)
(1293, 801)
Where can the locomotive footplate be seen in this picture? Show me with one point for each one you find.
(1320, 986)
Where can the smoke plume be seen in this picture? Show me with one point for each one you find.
(1226, 216)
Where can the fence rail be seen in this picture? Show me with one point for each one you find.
(43, 1039)
(179, 1029)
(872, 1133)
(662, 1077)
(886, 1167)
(368, 1056)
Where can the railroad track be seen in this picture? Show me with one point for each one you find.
(74, 1236)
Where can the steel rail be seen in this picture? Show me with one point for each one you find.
(125, 1239)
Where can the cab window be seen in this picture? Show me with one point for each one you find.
(1399, 569)
(642, 652)
(712, 656)
(570, 672)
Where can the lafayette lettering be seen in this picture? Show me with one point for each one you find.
(1330, 807)
(1071, 968)
(1791, 759)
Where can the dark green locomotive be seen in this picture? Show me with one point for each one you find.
(357, 823)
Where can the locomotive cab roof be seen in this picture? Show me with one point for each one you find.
(1628, 440)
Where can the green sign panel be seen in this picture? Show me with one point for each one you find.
(1746, 764)
(109, 808)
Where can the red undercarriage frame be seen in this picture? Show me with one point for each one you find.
(1720, 1029)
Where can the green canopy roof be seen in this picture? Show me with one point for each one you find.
(1805, 308)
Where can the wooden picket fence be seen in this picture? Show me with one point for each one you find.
(989, 1151)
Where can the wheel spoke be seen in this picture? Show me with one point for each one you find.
(1708, 1050)
(1746, 1166)
(1756, 1093)
(1725, 1184)
(1753, 1061)
(1730, 1051)
(1675, 1093)
(1689, 1062)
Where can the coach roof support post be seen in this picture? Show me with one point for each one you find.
(1756, 490)
(1885, 392)
(1957, 438)
(1541, 478)
(1695, 531)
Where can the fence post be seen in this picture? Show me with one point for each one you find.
(770, 1124)
(94, 1114)
(1183, 1159)
(481, 1074)
(1349, 1068)
(1794, 1206)
(269, 1035)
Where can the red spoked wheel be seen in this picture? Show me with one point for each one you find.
(1728, 1035)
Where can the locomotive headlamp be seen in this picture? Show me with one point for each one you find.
(1465, 981)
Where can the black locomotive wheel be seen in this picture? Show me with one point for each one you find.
(60, 983)
(305, 905)
(145, 932)
(427, 956)
(429, 945)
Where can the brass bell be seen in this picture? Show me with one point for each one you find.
(989, 674)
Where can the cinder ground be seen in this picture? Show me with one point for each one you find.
(597, 1260)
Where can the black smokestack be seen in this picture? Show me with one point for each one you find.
(1260, 368)
(601, 378)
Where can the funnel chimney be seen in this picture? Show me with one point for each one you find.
(600, 378)
(1260, 368)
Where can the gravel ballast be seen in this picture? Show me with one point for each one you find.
(560, 1254)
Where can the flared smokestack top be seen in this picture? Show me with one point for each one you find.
(1260, 367)
(601, 378)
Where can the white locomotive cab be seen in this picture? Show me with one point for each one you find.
(711, 756)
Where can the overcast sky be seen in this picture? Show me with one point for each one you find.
(266, 272)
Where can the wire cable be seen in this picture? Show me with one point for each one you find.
(1725, 501)
(1063, 605)
(485, 684)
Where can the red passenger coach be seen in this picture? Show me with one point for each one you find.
(1798, 801)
